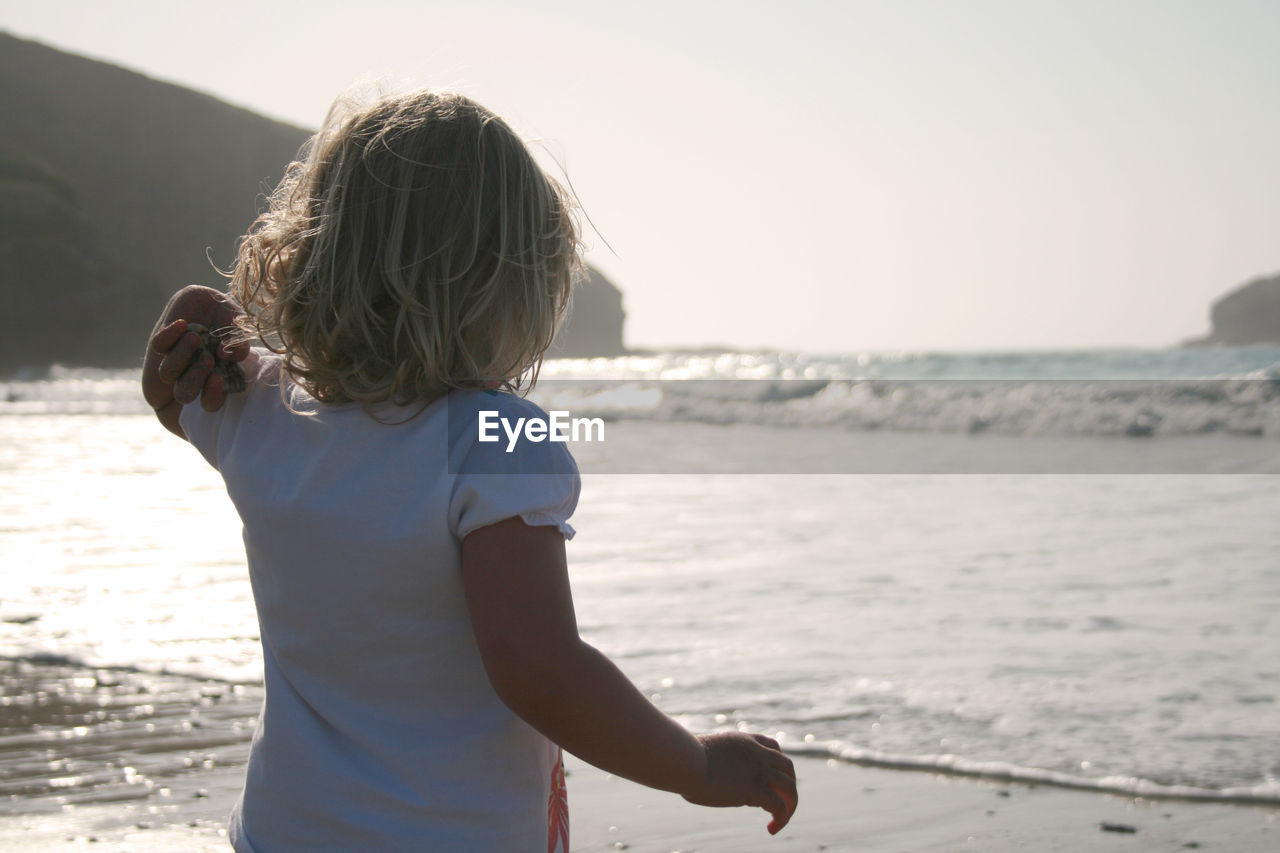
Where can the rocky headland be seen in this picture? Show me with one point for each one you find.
(117, 189)
(1246, 316)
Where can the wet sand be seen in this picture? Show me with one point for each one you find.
(849, 808)
(115, 760)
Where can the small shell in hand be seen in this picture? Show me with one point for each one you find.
(233, 378)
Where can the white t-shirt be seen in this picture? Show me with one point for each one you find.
(380, 730)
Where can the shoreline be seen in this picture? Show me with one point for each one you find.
(114, 759)
(843, 807)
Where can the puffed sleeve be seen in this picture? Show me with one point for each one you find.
(535, 481)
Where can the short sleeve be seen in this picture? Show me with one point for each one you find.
(203, 429)
(537, 482)
(208, 431)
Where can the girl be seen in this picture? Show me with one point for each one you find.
(422, 662)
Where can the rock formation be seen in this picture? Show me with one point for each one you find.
(116, 189)
(595, 321)
(1248, 315)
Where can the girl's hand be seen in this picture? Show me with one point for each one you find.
(748, 770)
(189, 368)
(177, 369)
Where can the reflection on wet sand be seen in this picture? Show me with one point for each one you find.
(71, 734)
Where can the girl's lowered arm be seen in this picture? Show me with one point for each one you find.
(517, 590)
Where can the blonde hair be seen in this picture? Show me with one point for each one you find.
(415, 248)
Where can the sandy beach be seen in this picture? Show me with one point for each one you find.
(843, 807)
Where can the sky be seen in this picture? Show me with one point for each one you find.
(824, 176)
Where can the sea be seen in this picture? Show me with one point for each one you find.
(1057, 568)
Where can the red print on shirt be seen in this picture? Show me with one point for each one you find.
(558, 811)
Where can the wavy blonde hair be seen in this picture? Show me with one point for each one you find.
(415, 247)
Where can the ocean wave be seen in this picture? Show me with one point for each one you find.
(62, 390)
(736, 389)
(1257, 362)
(1128, 408)
(1267, 794)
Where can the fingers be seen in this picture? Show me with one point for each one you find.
(779, 804)
(777, 807)
(164, 339)
(765, 740)
(782, 797)
(784, 787)
(214, 394)
(193, 379)
(777, 758)
(179, 355)
(778, 796)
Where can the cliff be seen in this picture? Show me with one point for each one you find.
(595, 321)
(116, 189)
(1248, 315)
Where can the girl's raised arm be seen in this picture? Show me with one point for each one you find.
(517, 589)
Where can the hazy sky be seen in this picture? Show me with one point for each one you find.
(837, 176)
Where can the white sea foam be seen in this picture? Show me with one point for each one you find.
(1129, 408)
(1125, 393)
(73, 391)
(953, 765)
